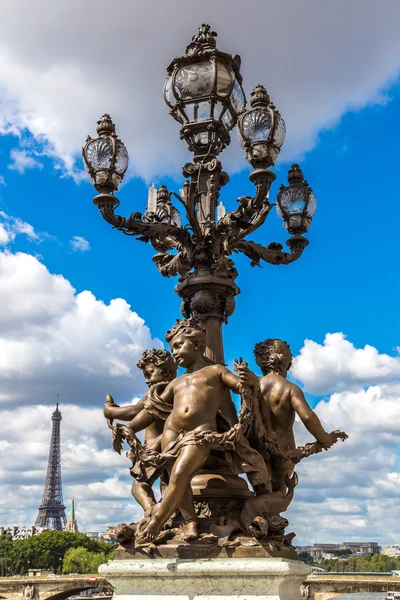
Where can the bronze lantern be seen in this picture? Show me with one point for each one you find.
(296, 203)
(204, 92)
(262, 130)
(105, 157)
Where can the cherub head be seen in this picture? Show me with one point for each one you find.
(187, 340)
(157, 366)
(273, 356)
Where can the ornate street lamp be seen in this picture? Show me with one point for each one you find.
(204, 93)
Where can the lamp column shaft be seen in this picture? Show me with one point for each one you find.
(214, 343)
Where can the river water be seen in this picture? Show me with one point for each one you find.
(363, 596)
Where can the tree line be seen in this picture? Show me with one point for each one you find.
(372, 564)
(58, 551)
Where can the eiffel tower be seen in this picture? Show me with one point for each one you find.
(52, 510)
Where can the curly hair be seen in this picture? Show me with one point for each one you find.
(161, 359)
(191, 328)
(266, 354)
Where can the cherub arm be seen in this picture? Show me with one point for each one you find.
(144, 419)
(309, 418)
(230, 380)
(244, 377)
(123, 413)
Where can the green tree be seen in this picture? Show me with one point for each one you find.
(80, 560)
(5, 550)
(44, 551)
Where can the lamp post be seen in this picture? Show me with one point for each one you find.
(204, 93)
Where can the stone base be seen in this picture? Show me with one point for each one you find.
(206, 579)
(197, 549)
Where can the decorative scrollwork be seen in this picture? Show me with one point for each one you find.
(273, 253)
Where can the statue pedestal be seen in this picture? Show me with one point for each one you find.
(206, 579)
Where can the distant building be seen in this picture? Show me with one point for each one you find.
(72, 523)
(107, 536)
(391, 551)
(40, 572)
(22, 532)
(320, 552)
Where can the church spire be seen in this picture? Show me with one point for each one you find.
(72, 523)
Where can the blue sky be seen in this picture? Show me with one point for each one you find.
(345, 280)
(336, 81)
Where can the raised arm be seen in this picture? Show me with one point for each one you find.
(309, 418)
(230, 380)
(123, 413)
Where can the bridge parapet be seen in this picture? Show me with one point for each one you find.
(32, 588)
(318, 587)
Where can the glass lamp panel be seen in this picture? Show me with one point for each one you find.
(257, 125)
(292, 201)
(237, 98)
(122, 158)
(99, 153)
(197, 111)
(228, 120)
(193, 81)
(280, 131)
(201, 138)
(168, 93)
(312, 205)
(241, 140)
(176, 217)
(224, 79)
(218, 108)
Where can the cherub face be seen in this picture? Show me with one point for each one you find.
(184, 350)
(153, 374)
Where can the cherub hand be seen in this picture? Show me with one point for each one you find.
(107, 410)
(247, 377)
(327, 440)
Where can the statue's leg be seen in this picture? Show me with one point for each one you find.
(189, 461)
(143, 495)
(280, 470)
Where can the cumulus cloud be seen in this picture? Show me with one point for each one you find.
(52, 338)
(79, 244)
(92, 472)
(2, 180)
(23, 160)
(58, 88)
(352, 491)
(337, 364)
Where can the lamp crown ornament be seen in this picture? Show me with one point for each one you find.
(105, 125)
(205, 39)
(163, 195)
(259, 97)
(295, 175)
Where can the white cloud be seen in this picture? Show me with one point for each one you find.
(53, 340)
(22, 160)
(10, 227)
(2, 180)
(337, 365)
(79, 244)
(351, 492)
(318, 61)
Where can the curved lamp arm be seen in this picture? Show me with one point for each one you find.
(273, 253)
(252, 211)
(162, 232)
